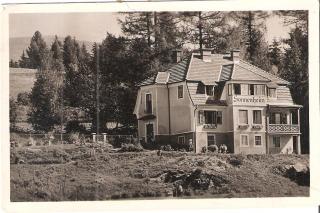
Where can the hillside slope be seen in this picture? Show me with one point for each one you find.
(18, 44)
(73, 173)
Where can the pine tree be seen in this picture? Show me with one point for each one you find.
(252, 27)
(24, 62)
(36, 50)
(294, 68)
(13, 114)
(275, 56)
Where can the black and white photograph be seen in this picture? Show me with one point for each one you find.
(157, 105)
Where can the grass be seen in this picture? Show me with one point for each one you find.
(69, 172)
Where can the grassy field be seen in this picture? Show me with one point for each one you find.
(70, 172)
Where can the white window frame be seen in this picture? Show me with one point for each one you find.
(255, 140)
(241, 145)
(145, 101)
(182, 91)
(247, 117)
(214, 135)
(253, 116)
(184, 139)
(275, 93)
(230, 89)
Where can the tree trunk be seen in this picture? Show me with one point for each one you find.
(200, 33)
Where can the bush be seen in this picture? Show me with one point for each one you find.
(75, 137)
(23, 98)
(131, 148)
(204, 149)
(166, 148)
(213, 148)
(237, 160)
(74, 126)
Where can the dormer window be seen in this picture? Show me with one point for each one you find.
(237, 89)
(272, 92)
(257, 89)
(209, 90)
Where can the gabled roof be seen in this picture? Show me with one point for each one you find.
(206, 72)
(177, 73)
(220, 68)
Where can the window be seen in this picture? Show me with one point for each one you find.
(211, 139)
(257, 140)
(244, 89)
(229, 89)
(278, 118)
(201, 88)
(181, 139)
(180, 91)
(237, 89)
(243, 116)
(210, 117)
(244, 141)
(219, 117)
(209, 90)
(276, 141)
(148, 103)
(257, 89)
(272, 92)
(294, 117)
(257, 117)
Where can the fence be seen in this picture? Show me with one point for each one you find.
(22, 139)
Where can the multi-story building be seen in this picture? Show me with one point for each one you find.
(219, 99)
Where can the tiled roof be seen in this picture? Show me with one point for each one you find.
(242, 73)
(178, 71)
(177, 74)
(262, 73)
(206, 72)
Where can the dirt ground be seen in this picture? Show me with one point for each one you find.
(70, 172)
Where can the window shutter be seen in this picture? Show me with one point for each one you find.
(201, 117)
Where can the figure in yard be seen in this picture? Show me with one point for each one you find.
(159, 152)
(223, 148)
(190, 145)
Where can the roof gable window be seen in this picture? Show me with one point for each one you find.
(201, 89)
(209, 90)
(257, 89)
(237, 89)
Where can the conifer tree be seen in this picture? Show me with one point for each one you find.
(36, 50)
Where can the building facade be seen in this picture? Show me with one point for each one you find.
(219, 99)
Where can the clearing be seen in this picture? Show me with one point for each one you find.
(74, 172)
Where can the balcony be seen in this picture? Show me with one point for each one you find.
(283, 128)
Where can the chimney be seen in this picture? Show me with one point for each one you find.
(177, 56)
(235, 55)
(206, 55)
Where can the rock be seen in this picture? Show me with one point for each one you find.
(299, 173)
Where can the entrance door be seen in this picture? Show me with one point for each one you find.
(149, 133)
(295, 144)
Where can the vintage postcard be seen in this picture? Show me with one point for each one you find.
(184, 104)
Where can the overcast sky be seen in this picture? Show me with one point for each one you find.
(94, 26)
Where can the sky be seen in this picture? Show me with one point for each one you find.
(94, 26)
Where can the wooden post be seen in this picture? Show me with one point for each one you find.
(94, 137)
(104, 137)
(298, 145)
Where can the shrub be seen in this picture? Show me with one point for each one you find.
(237, 160)
(75, 137)
(74, 126)
(131, 148)
(204, 149)
(213, 148)
(166, 148)
(23, 98)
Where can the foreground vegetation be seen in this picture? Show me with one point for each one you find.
(99, 172)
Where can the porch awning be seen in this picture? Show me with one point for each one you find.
(284, 106)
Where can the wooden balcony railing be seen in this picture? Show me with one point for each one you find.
(283, 128)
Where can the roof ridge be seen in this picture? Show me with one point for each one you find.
(264, 71)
